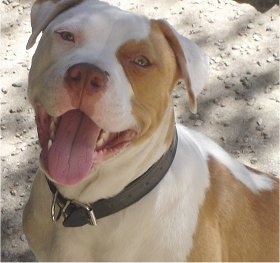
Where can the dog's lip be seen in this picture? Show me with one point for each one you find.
(104, 145)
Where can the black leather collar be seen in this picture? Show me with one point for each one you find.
(78, 214)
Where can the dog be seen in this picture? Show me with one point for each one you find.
(118, 180)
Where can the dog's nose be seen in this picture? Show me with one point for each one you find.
(86, 76)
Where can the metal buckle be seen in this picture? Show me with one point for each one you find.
(61, 211)
(89, 210)
(54, 217)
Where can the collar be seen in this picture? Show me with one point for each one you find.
(78, 214)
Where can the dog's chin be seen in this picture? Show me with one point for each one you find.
(73, 145)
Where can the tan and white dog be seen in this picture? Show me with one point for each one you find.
(100, 84)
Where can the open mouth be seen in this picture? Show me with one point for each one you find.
(73, 144)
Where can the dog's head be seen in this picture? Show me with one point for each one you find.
(101, 79)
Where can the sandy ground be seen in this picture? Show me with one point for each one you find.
(238, 108)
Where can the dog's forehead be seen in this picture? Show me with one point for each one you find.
(98, 20)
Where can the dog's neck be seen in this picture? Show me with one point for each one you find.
(110, 177)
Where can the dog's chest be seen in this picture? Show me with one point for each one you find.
(150, 229)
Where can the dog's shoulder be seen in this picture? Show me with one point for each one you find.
(238, 202)
(205, 151)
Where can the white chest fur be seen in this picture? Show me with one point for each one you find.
(157, 228)
(160, 227)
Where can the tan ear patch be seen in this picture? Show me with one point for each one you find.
(181, 60)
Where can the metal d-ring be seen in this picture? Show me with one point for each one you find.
(62, 210)
(55, 218)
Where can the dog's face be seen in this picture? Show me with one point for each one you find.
(101, 80)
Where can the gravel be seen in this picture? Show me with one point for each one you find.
(238, 108)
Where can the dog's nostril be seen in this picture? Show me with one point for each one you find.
(95, 84)
(77, 77)
(74, 74)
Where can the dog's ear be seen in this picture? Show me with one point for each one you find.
(43, 12)
(192, 61)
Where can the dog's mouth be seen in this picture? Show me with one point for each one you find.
(73, 144)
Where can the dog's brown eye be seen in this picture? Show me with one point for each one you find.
(67, 36)
(142, 61)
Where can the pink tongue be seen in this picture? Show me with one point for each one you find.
(70, 157)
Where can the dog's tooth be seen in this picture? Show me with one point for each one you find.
(105, 135)
(49, 144)
(53, 124)
(52, 129)
(100, 142)
(103, 138)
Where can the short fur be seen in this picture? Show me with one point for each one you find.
(208, 207)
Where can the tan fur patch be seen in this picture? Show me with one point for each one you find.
(152, 85)
(234, 223)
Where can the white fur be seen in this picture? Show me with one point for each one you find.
(255, 182)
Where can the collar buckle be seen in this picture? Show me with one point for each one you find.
(88, 208)
(67, 214)
(62, 207)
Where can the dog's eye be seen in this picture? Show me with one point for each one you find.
(67, 36)
(141, 61)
